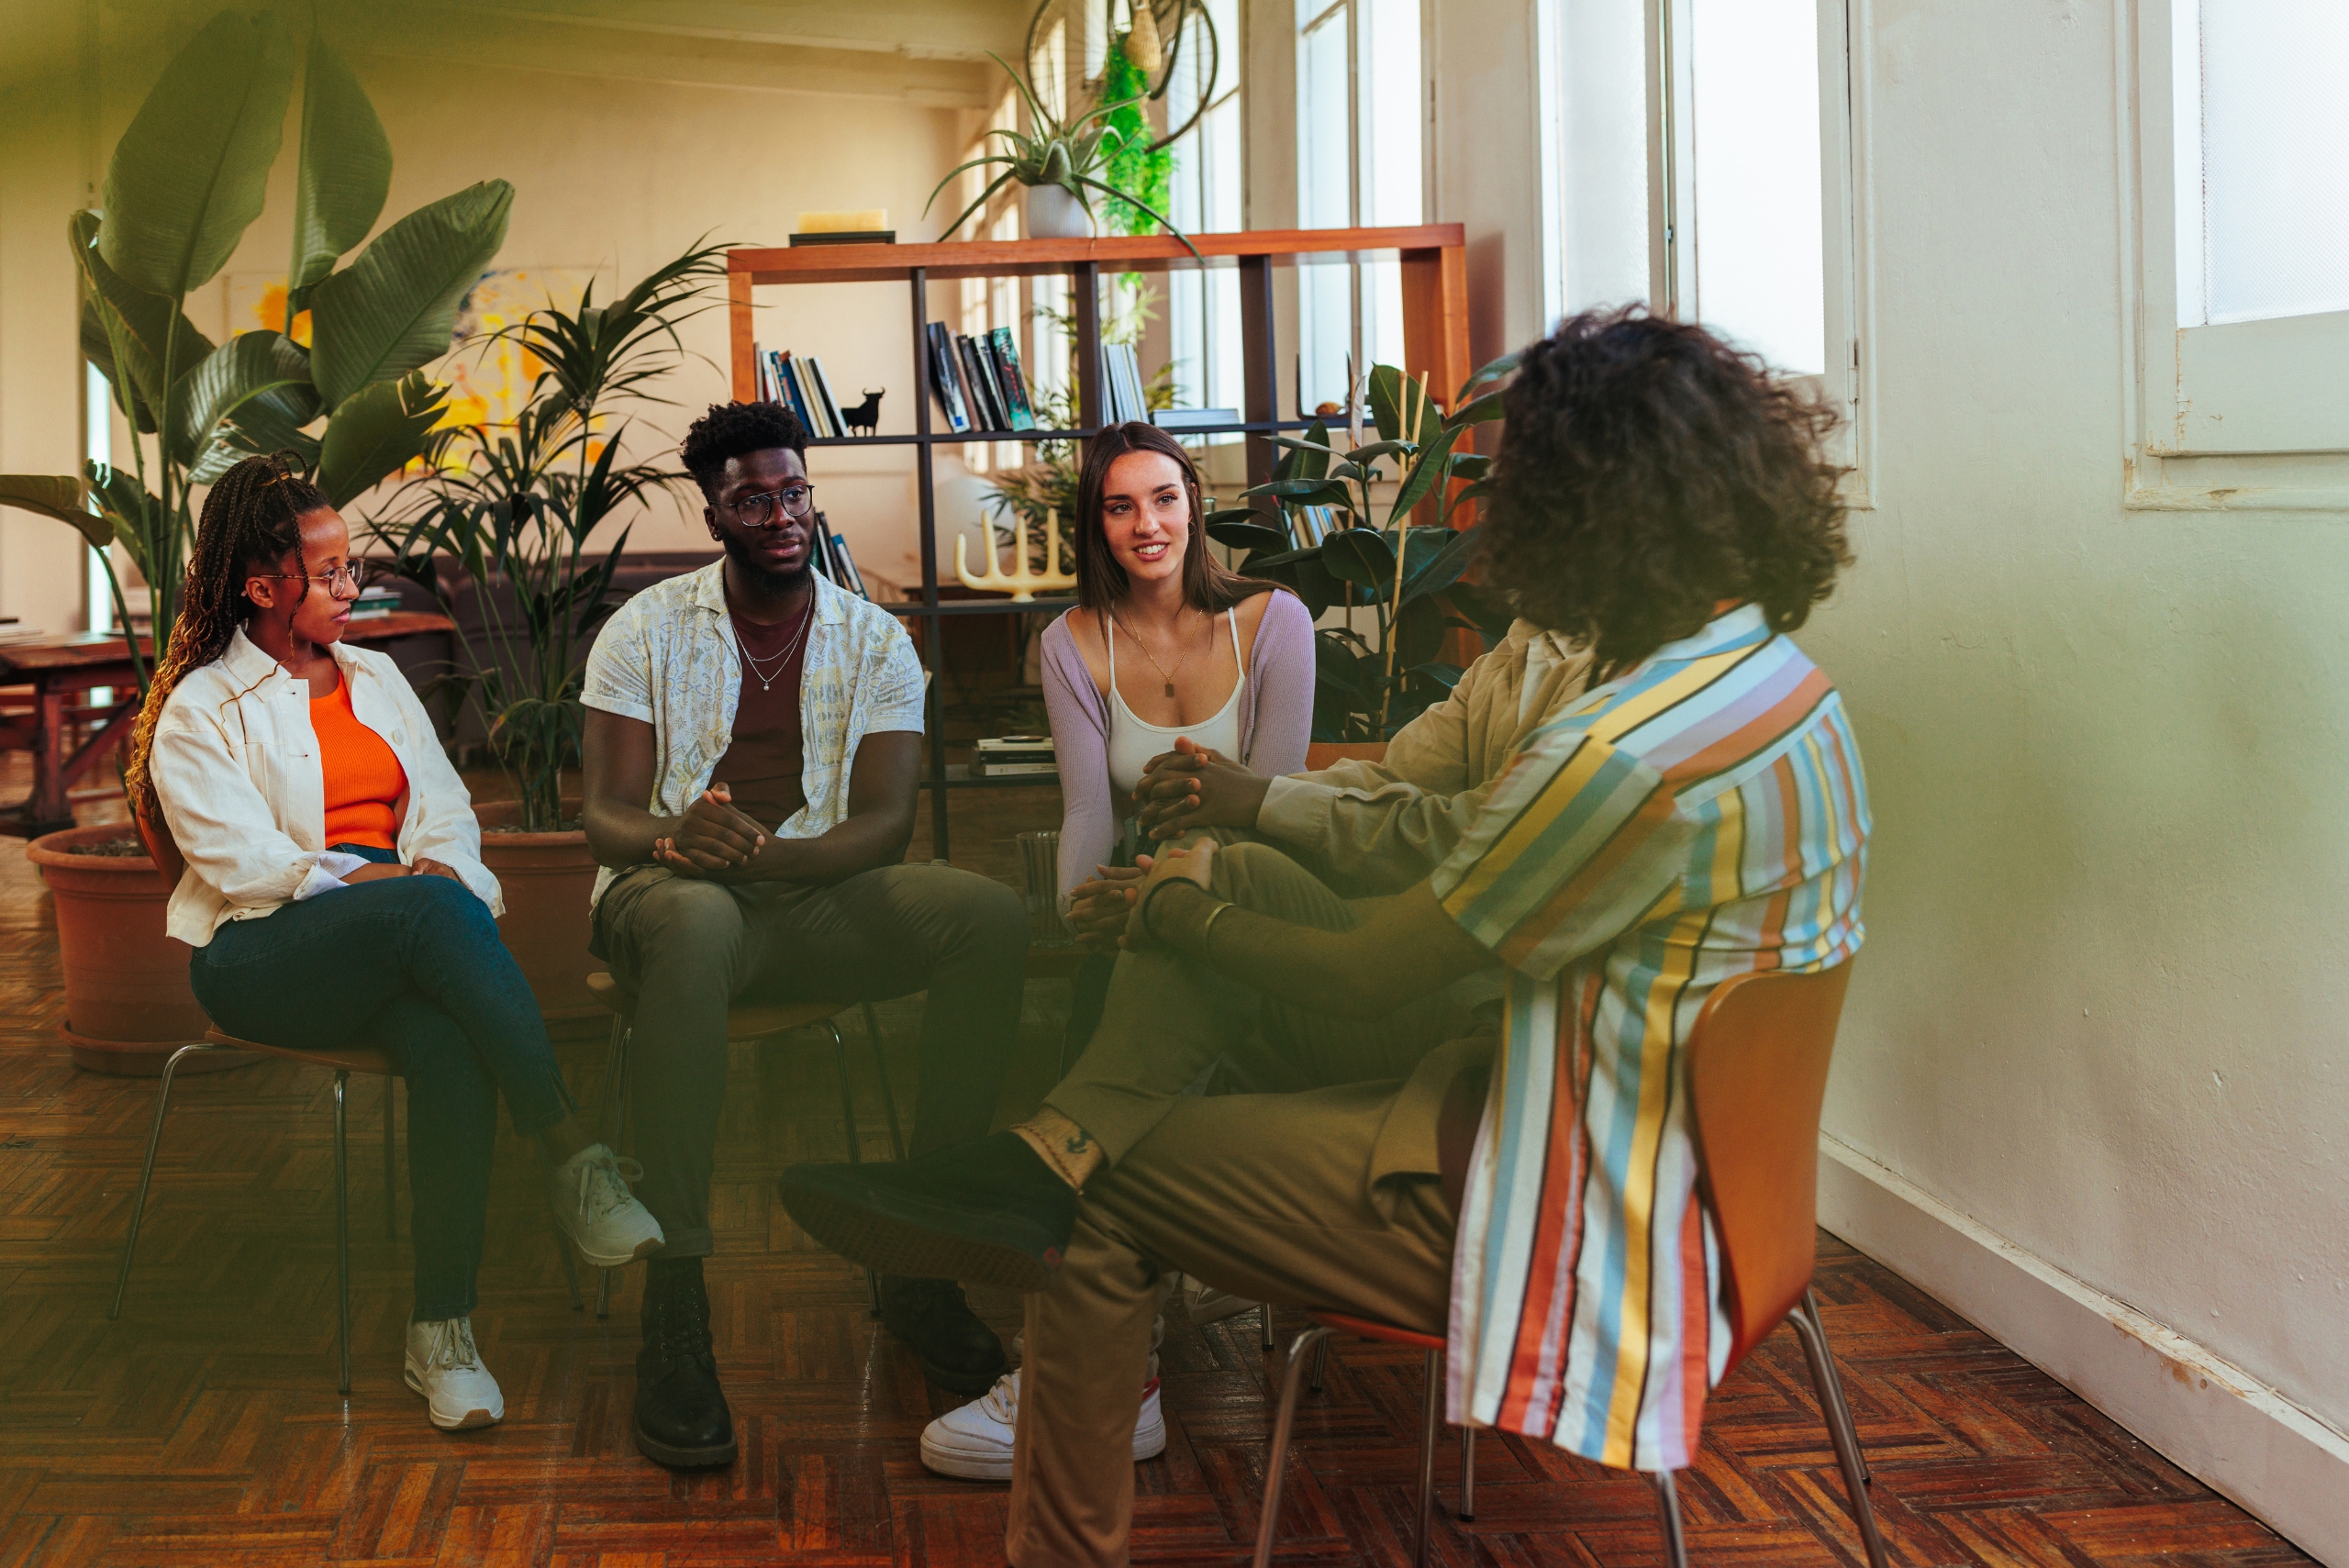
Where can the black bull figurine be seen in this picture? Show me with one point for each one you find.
(865, 418)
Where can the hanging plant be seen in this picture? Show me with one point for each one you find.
(1142, 171)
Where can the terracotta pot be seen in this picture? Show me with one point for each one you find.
(1321, 754)
(547, 878)
(127, 1006)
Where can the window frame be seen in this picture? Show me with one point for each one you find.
(2226, 416)
(1846, 31)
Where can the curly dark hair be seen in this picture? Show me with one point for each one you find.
(252, 518)
(1649, 471)
(736, 430)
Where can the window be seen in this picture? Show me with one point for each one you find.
(1699, 157)
(1203, 308)
(2241, 188)
(1361, 108)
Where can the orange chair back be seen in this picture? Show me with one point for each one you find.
(1319, 754)
(1757, 1074)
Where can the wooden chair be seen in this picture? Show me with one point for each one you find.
(744, 1021)
(1757, 1075)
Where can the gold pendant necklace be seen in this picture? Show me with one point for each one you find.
(1163, 673)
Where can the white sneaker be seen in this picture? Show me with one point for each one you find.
(443, 1366)
(593, 1204)
(974, 1442)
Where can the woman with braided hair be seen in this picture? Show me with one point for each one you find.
(334, 893)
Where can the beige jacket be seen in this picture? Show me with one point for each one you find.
(236, 767)
(1373, 828)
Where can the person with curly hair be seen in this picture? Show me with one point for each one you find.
(1526, 1187)
(753, 757)
(334, 893)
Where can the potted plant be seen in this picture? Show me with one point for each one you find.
(1063, 163)
(498, 524)
(1408, 577)
(372, 326)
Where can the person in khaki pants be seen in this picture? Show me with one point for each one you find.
(1699, 814)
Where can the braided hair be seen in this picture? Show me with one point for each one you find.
(252, 518)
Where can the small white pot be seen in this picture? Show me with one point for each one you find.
(1054, 214)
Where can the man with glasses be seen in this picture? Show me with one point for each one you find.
(754, 752)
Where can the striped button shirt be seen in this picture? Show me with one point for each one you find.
(1702, 816)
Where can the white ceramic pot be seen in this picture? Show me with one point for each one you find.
(1054, 214)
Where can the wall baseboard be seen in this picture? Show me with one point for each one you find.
(2210, 1419)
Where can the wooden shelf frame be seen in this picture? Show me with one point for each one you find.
(1434, 268)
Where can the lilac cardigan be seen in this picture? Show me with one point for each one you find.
(1275, 722)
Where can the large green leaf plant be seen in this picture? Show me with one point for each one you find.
(1407, 577)
(187, 179)
(511, 506)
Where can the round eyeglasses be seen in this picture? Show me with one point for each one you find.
(347, 573)
(760, 511)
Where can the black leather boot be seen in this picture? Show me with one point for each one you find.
(681, 1414)
(957, 1351)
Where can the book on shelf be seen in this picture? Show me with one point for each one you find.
(1015, 379)
(374, 603)
(998, 394)
(1124, 400)
(848, 237)
(985, 415)
(827, 405)
(803, 386)
(1194, 418)
(1313, 525)
(945, 382)
(849, 578)
(993, 770)
(768, 391)
(1015, 748)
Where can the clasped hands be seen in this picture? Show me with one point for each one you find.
(1106, 914)
(1191, 786)
(712, 840)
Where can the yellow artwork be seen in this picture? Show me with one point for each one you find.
(488, 376)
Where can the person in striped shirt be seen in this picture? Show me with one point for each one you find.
(1699, 813)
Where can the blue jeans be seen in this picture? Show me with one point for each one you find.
(413, 966)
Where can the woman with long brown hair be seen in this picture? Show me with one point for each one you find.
(1167, 645)
(334, 893)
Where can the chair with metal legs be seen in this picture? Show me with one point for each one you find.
(354, 1058)
(1757, 1074)
(744, 1021)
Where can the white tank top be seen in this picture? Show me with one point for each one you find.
(1133, 741)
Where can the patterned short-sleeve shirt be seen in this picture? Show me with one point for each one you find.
(668, 657)
(1703, 817)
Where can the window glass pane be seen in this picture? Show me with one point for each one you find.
(1754, 70)
(2275, 116)
(1388, 45)
(1600, 76)
(1324, 199)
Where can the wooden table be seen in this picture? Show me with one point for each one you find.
(59, 670)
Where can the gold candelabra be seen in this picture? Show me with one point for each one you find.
(1020, 582)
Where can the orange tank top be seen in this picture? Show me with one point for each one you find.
(363, 777)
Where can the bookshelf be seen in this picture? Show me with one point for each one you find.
(1433, 265)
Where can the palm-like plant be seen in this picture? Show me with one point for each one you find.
(1073, 154)
(1365, 688)
(188, 177)
(512, 505)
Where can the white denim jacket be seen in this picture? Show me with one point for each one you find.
(236, 767)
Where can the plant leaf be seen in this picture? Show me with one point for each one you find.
(1444, 568)
(60, 495)
(1486, 407)
(1491, 370)
(1359, 555)
(378, 430)
(247, 367)
(193, 171)
(143, 321)
(1252, 536)
(1430, 467)
(343, 173)
(1417, 633)
(390, 312)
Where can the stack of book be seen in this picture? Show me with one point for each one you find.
(1181, 419)
(1121, 386)
(832, 559)
(979, 382)
(1017, 756)
(374, 604)
(799, 384)
(1314, 524)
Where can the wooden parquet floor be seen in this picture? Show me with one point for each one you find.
(203, 1428)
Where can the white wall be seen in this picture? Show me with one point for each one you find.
(2098, 1034)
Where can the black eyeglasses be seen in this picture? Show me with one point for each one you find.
(759, 511)
(348, 572)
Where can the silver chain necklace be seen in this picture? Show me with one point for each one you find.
(766, 679)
